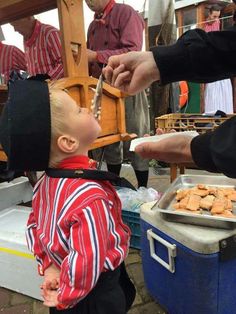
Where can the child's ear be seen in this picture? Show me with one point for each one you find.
(67, 144)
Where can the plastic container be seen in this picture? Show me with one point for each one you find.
(15, 192)
(185, 268)
(132, 219)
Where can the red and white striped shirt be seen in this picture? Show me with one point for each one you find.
(11, 58)
(76, 224)
(212, 27)
(43, 51)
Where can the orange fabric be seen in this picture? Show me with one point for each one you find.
(183, 96)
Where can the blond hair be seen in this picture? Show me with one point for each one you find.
(58, 117)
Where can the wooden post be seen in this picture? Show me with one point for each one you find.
(201, 15)
(74, 53)
(179, 14)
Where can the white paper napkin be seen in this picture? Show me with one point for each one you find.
(157, 138)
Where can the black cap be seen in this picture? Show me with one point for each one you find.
(25, 126)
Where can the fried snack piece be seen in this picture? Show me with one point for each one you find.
(181, 194)
(232, 196)
(193, 202)
(202, 187)
(207, 202)
(200, 192)
(226, 213)
(176, 206)
(219, 205)
(184, 202)
(229, 205)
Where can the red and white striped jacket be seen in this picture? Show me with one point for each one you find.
(43, 51)
(212, 27)
(11, 58)
(76, 224)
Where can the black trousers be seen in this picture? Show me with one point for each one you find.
(107, 297)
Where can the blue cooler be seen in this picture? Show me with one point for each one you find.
(188, 269)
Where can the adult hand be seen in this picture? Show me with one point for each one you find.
(131, 72)
(171, 150)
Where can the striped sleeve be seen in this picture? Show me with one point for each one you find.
(18, 61)
(54, 48)
(11, 58)
(35, 246)
(81, 269)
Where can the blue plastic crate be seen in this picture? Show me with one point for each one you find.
(132, 219)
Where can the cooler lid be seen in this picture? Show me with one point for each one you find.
(13, 224)
(14, 192)
(204, 240)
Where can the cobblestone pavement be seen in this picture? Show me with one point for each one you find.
(14, 303)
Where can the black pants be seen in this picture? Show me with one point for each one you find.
(107, 297)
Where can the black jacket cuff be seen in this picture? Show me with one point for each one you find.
(201, 152)
(171, 62)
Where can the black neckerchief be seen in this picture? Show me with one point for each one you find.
(90, 174)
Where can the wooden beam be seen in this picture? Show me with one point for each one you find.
(179, 14)
(11, 10)
(74, 52)
(201, 15)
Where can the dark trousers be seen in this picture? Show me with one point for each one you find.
(107, 297)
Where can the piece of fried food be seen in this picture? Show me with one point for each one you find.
(207, 202)
(219, 205)
(193, 202)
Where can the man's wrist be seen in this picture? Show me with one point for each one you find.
(155, 73)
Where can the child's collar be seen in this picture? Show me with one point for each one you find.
(80, 161)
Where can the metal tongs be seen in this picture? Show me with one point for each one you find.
(97, 99)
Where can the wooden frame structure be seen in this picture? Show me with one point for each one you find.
(75, 62)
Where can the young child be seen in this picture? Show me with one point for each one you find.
(75, 229)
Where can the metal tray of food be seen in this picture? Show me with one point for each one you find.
(165, 204)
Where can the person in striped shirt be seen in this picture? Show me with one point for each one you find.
(218, 95)
(75, 228)
(42, 45)
(11, 58)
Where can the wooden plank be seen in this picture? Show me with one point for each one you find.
(74, 52)
(106, 140)
(11, 10)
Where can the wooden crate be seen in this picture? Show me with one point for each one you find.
(189, 122)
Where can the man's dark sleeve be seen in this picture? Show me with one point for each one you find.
(216, 151)
(198, 56)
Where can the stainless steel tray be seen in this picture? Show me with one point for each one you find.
(165, 204)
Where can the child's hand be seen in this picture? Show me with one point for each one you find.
(50, 286)
(50, 297)
(52, 273)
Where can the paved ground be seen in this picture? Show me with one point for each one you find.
(14, 303)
